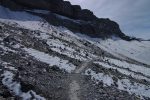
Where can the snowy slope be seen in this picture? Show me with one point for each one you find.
(42, 45)
(139, 51)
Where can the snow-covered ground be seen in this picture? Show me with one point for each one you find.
(124, 71)
(123, 84)
(100, 77)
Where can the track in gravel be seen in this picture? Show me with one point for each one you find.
(74, 85)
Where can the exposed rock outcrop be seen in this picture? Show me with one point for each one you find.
(78, 20)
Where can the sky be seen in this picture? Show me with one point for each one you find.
(133, 16)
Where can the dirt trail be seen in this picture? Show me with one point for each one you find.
(83, 66)
(74, 85)
(74, 90)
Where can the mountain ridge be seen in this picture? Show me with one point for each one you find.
(85, 21)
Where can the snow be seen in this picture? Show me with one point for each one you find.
(23, 19)
(39, 11)
(7, 65)
(126, 84)
(67, 18)
(64, 48)
(123, 84)
(16, 15)
(17, 46)
(100, 77)
(7, 80)
(124, 71)
(6, 48)
(136, 50)
(139, 51)
(138, 89)
(144, 56)
(51, 60)
(10, 68)
(15, 87)
(133, 67)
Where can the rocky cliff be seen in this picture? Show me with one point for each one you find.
(62, 13)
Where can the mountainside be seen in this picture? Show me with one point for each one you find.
(40, 61)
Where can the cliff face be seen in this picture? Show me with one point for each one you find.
(78, 20)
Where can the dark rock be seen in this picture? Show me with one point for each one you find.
(11, 5)
(0, 27)
(86, 15)
(20, 68)
(65, 8)
(87, 28)
(4, 92)
(55, 68)
(9, 39)
(26, 87)
(76, 10)
(82, 14)
(33, 4)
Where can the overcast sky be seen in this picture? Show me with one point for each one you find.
(133, 16)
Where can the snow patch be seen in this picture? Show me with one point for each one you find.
(64, 47)
(132, 87)
(100, 77)
(15, 87)
(51, 60)
(133, 67)
(7, 49)
(124, 71)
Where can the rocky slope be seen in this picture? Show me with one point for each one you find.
(39, 61)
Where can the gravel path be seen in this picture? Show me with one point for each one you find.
(74, 85)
